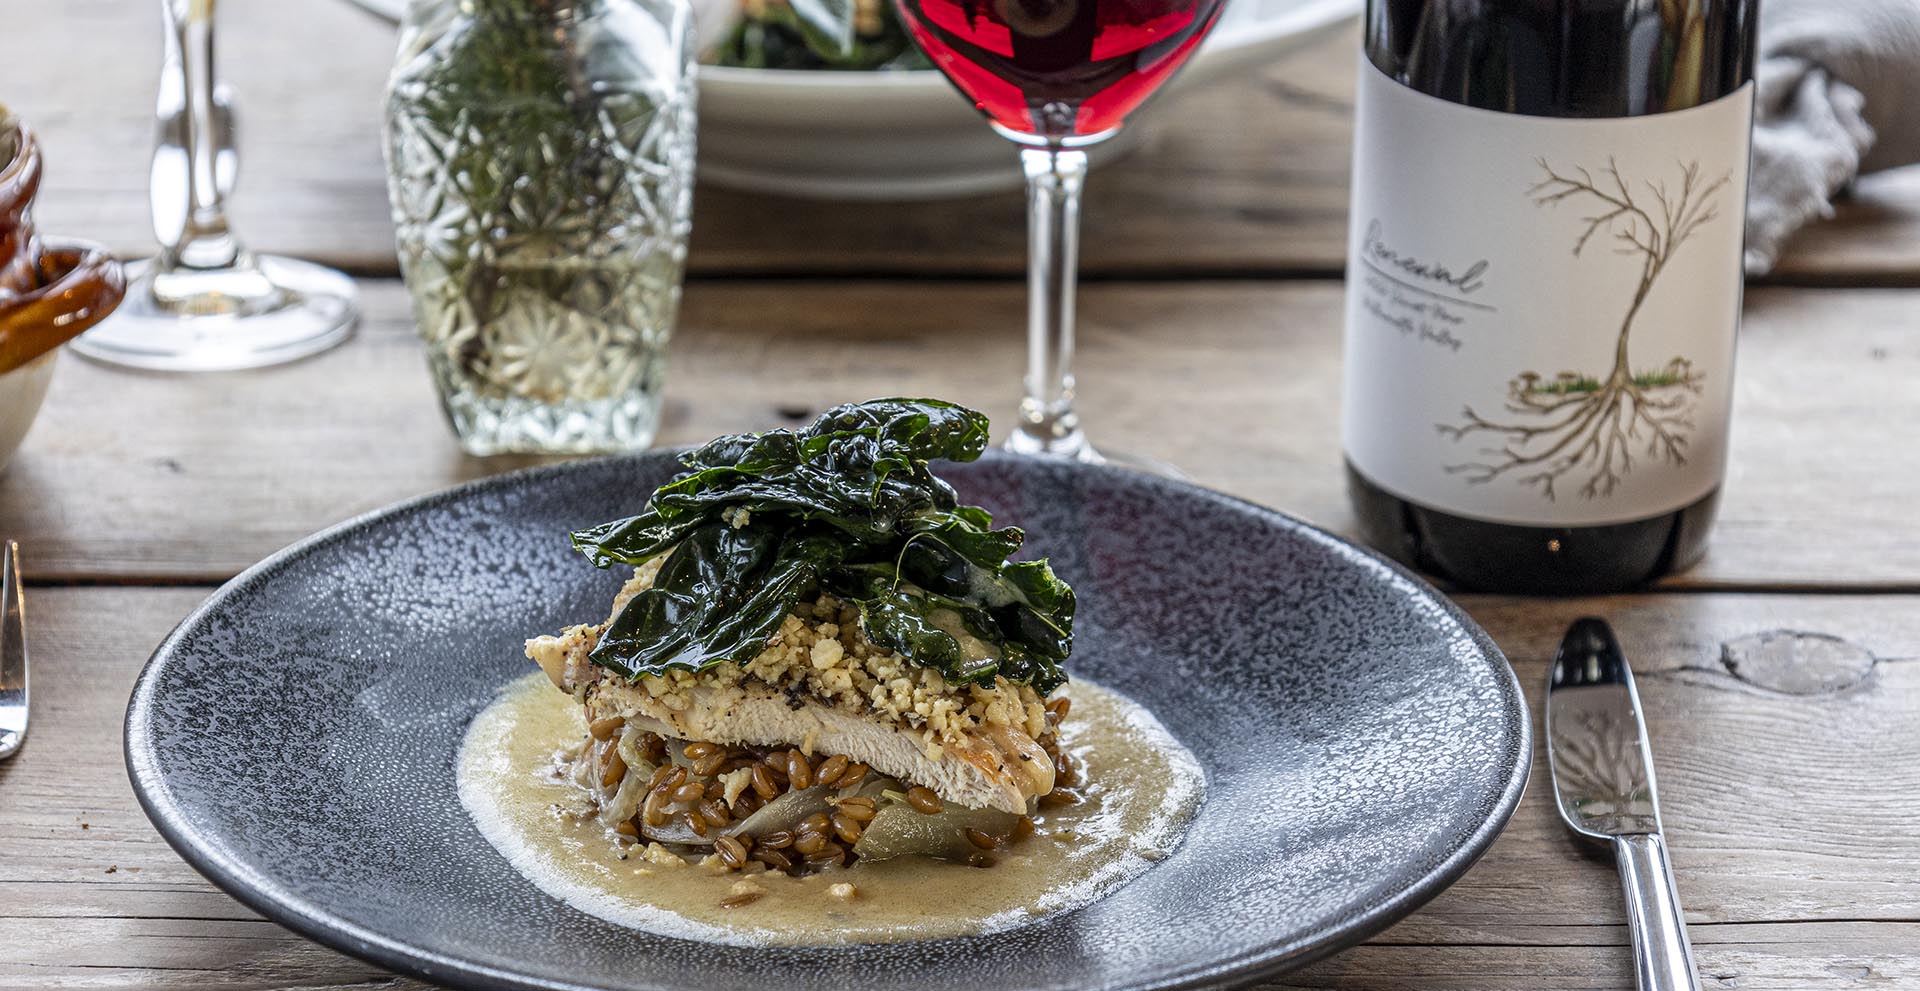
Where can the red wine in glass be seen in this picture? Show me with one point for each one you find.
(1058, 70)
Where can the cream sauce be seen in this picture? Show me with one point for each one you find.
(1141, 787)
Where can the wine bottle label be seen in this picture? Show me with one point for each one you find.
(1541, 310)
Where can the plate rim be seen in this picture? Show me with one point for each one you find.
(310, 921)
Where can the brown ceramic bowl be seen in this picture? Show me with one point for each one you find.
(50, 289)
(74, 285)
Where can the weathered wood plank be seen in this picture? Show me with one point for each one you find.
(122, 952)
(1246, 177)
(1741, 766)
(256, 954)
(1786, 812)
(143, 477)
(1748, 958)
(1871, 240)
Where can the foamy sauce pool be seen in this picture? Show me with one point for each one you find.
(1141, 788)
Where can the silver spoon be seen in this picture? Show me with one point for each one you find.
(13, 653)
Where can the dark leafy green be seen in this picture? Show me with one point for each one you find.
(828, 35)
(848, 505)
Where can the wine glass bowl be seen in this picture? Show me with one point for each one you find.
(1065, 71)
(1054, 76)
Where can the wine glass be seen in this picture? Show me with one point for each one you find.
(1055, 76)
(205, 302)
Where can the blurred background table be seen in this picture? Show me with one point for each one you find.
(1782, 675)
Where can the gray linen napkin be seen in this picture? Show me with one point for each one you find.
(1839, 95)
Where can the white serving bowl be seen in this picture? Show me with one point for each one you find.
(21, 393)
(909, 135)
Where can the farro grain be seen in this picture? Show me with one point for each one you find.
(763, 783)
(799, 772)
(616, 768)
(980, 839)
(830, 769)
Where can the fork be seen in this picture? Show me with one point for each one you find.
(13, 653)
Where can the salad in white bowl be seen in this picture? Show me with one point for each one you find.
(830, 35)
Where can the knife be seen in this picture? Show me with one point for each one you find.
(13, 653)
(1603, 781)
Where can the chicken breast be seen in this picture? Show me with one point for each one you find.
(1001, 768)
(822, 687)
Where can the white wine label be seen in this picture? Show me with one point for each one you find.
(1541, 310)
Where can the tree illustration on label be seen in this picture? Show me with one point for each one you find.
(1596, 425)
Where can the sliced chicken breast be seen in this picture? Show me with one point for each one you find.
(995, 766)
(1001, 768)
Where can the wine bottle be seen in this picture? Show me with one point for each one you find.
(1544, 284)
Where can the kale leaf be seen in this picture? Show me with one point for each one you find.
(848, 505)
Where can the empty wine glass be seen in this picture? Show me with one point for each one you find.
(1055, 76)
(205, 302)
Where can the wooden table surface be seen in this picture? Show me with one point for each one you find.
(1782, 676)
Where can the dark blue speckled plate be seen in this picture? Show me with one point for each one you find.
(1364, 742)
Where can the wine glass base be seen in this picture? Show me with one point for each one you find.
(1140, 463)
(1075, 447)
(311, 308)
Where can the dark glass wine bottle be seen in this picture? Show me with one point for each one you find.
(1544, 284)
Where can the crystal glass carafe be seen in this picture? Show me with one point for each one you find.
(540, 161)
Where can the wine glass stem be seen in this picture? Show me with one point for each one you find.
(1048, 424)
(188, 191)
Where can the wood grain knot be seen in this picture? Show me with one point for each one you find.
(1797, 663)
